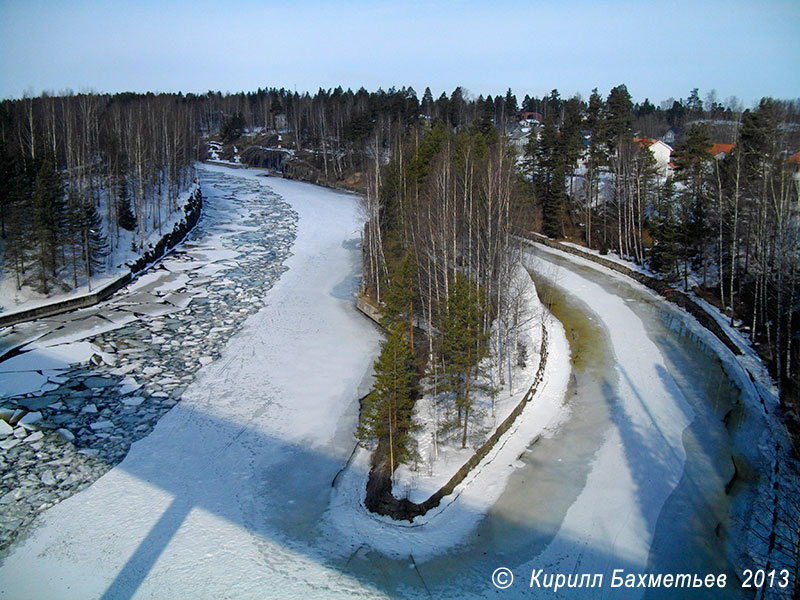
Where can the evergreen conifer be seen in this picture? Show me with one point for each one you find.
(387, 413)
(463, 344)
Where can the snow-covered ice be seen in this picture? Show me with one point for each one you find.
(273, 414)
(233, 495)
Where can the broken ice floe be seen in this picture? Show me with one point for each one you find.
(90, 383)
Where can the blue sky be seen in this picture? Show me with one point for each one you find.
(659, 50)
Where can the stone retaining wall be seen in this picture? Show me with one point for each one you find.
(658, 285)
(379, 497)
(193, 209)
(366, 306)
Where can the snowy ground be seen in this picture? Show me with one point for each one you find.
(458, 515)
(119, 255)
(233, 495)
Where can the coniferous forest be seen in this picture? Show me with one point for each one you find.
(449, 182)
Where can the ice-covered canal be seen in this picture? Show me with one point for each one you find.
(228, 495)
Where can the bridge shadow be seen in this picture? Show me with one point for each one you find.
(696, 507)
(283, 496)
(692, 489)
(282, 499)
(278, 493)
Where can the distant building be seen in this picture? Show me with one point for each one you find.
(794, 161)
(669, 137)
(519, 134)
(720, 151)
(531, 117)
(661, 152)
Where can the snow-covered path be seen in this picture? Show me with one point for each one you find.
(195, 508)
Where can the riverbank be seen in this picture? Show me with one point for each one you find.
(728, 450)
(441, 464)
(241, 464)
(89, 383)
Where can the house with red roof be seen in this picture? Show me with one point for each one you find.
(531, 117)
(720, 151)
(794, 161)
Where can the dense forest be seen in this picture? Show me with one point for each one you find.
(728, 221)
(449, 181)
(78, 170)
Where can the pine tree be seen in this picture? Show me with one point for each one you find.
(456, 107)
(6, 181)
(664, 226)
(232, 128)
(387, 414)
(125, 217)
(94, 244)
(692, 158)
(596, 159)
(48, 221)
(19, 218)
(427, 102)
(618, 117)
(549, 177)
(401, 296)
(511, 103)
(554, 202)
(463, 344)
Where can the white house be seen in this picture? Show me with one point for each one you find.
(661, 152)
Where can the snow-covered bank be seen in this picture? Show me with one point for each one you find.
(761, 440)
(459, 513)
(643, 454)
(118, 263)
(89, 383)
(198, 507)
(499, 395)
(439, 461)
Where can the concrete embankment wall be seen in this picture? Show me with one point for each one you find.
(193, 210)
(368, 308)
(658, 285)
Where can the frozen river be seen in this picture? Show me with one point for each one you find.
(240, 379)
(98, 379)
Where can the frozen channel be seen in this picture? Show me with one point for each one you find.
(225, 492)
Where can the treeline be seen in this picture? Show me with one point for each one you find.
(71, 161)
(728, 221)
(439, 258)
(339, 131)
(77, 171)
(587, 173)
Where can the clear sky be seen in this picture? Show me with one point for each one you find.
(659, 50)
